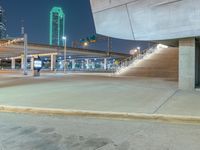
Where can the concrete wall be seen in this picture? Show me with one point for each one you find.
(187, 63)
(147, 19)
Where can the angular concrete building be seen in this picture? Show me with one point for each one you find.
(147, 19)
(156, 20)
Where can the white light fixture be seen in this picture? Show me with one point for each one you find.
(86, 44)
(64, 38)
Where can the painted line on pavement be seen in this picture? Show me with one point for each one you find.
(103, 114)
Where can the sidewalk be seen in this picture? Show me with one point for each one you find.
(102, 94)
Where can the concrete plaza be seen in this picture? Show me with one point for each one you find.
(97, 92)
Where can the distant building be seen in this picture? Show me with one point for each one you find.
(2, 23)
(57, 26)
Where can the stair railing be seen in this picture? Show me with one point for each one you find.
(126, 63)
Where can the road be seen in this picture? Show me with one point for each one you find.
(41, 132)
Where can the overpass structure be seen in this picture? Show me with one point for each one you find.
(15, 51)
(156, 20)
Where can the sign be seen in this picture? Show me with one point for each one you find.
(37, 64)
(91, 39)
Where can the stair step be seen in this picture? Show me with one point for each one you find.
(163, 64)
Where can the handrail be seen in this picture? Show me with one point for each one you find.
(129, 61)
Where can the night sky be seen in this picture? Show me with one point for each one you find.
(79, 22)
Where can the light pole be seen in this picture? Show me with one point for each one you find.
(139, 50)
(25, 55)
(65, 52)
(109, 46)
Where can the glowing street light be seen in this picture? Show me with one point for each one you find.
(64, 38)
(85, 44)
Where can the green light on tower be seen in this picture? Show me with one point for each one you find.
(57, 26)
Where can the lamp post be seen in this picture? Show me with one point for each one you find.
(25, 55)
(65, 52)
(138, 49)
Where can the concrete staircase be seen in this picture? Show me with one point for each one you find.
(163, 63)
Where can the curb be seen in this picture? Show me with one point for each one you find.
(103, 114)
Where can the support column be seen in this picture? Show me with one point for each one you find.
(12, 63)
(53, 62)
(87, 64)
(105, 63)
(32, 63)
(187, 64)
(73, 64)
(22, 62)
(93, 65)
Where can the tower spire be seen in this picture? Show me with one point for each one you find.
(22, 27)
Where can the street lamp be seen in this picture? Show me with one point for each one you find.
(85, 44)
(139, 50)
(65, 52)
(25, 53)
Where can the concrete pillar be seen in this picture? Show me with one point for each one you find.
(93, 65)
(105, 64)
(87, 64)
(53, 62)
(73, 64)
(12, 63)
(22, 62)
(32, 63)
(187, 64)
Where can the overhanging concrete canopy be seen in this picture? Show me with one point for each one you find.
(147, 19)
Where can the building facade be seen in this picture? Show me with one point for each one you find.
(2, 23)
(57, 26)
(147, 19)
(156, 20)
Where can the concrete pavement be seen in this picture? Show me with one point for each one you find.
(99, 93)
(41, 132)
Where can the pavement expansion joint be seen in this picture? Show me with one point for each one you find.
(103, 114)
(165, 101)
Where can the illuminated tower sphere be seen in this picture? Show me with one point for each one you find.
(2, 24)
(57, 26)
